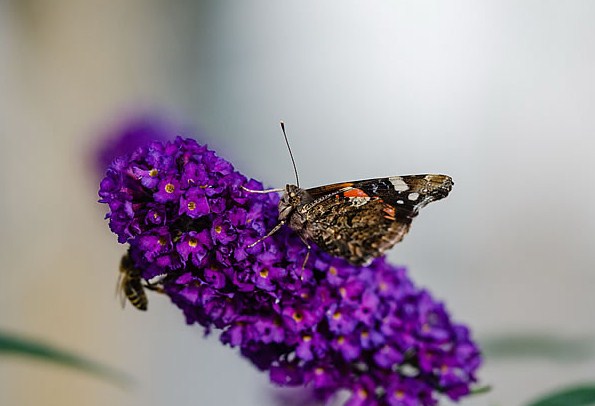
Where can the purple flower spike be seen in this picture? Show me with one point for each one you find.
(328, 326)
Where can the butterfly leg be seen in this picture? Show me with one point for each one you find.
(307, 253)
(262, 191)
(273, 231)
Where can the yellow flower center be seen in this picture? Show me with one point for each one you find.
(153, 172)
(162, 241)
(191, 206)
(319, 371)
(362, 393)
(264, 273)
(337, 315)
(332, 270)
(169, 188)
(307, 338)
(193, 242)
(399, 394)
(298, 317)
(341, 340)
(343, 292)
(218, 229)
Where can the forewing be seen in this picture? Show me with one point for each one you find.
(410, 193)
(362, 219)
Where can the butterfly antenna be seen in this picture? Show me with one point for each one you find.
(297, 179)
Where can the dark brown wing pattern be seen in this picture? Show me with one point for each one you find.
(360, 220)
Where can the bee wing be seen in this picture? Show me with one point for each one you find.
(120, 289)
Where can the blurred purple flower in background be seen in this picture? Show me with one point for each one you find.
(129, 134)
(328, 326)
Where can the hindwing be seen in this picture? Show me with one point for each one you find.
(360, 220)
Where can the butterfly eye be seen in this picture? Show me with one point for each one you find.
(292, 194)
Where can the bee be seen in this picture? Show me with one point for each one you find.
(130, 284)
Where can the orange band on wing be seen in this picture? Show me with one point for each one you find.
(389, 210)
(355, 193)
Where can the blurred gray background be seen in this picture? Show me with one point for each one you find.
(498, 94)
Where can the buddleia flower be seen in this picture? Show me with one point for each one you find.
(327, 325)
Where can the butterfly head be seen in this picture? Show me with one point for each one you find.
(293, 197)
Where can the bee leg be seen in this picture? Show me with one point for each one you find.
(154, 288)
(273, 231)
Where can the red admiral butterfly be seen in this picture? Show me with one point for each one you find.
(356, 220)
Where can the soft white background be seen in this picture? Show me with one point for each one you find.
(498, 94)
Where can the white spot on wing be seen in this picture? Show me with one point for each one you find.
(359, 201)
(398, 183)
(400, 202)
(413, 196)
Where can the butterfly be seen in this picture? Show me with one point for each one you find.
(357, 220)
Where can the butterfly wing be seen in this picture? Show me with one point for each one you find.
(360, 220)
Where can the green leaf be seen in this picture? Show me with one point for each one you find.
(544, 346)
(14, 345)
(480, 390)
(583, 395)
